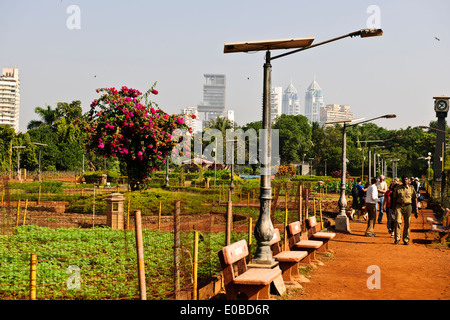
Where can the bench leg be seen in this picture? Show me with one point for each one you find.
(253, 292)
(443, 236)
(289, 270)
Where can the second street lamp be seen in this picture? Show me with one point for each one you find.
(342, 223)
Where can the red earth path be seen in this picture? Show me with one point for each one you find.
(420, 270)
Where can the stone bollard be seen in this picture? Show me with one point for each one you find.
(114, 211)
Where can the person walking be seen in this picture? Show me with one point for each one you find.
(371, 206)
(357, 194)
(382, 188)
(390, 210)
(404, 197)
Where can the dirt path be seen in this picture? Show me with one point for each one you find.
(420, 270)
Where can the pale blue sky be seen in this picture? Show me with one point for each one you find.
(136, 43)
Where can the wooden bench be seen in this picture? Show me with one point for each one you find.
(444, 229)
(288, 260)
(244, 283)
(296, 243)
(314, 233)
(440, 221)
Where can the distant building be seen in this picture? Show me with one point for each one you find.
(213, 104)
(10, 98)
(276, 103)
(291, 101)
(335, 112)
(228, 114)
(193, 122)
(313, 102)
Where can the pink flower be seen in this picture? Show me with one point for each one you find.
(180, 120)
(154, 91)
(152, 111)
(101, 145)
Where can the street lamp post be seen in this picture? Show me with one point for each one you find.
(440, 173)
(341, 223)
(264, 227)
(43, 145)
(18, 160)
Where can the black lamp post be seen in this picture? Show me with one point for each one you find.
(264, 227)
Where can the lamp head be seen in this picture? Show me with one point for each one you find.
(366, 33)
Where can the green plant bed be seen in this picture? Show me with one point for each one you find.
(106, 259)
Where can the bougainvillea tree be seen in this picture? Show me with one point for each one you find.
(137, 133)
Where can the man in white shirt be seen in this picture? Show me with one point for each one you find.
(382, 189)
(371, 205)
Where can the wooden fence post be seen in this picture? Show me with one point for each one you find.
(250, 229)
(25, 212)
(229, 222)
(159, 216)
(33, 264)
(195, 271)
(140, 255)
(176, 248)
(93, 208)
(18, 212)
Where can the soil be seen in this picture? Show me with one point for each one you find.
(420, 270)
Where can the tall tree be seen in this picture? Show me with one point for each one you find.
(48, 117)
(294, 137)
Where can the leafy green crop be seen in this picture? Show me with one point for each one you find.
(106, 259)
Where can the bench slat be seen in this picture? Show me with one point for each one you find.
(294, 227)
(324, 235)
(309, 244)
(290, 256)
(235, 252)
(256, 276)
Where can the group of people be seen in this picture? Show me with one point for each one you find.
(399, 201)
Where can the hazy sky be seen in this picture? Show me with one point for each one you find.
(135, 43)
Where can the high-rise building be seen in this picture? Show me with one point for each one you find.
(10, 97)
(291, 101)
(313, 102)
(229, 115)
(190, 116)
(276, 103)
(213, 104)
(335, 112)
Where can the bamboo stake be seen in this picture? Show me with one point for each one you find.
(250, 227)
(177, 248)
(93, 209)
(195, 271)
(39, 195)
(140, 255)
(159, 216)
(320, 211)
(314, 203)
(17, 216)
(285, 220)
(128, 215)
(25, 213)
(33, 264)
(229, 222)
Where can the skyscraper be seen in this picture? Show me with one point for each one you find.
(213, 104)
(10, 97)
(313, 102)
(335, 112)
(190, 116)
(276, 95)
(291, 101)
